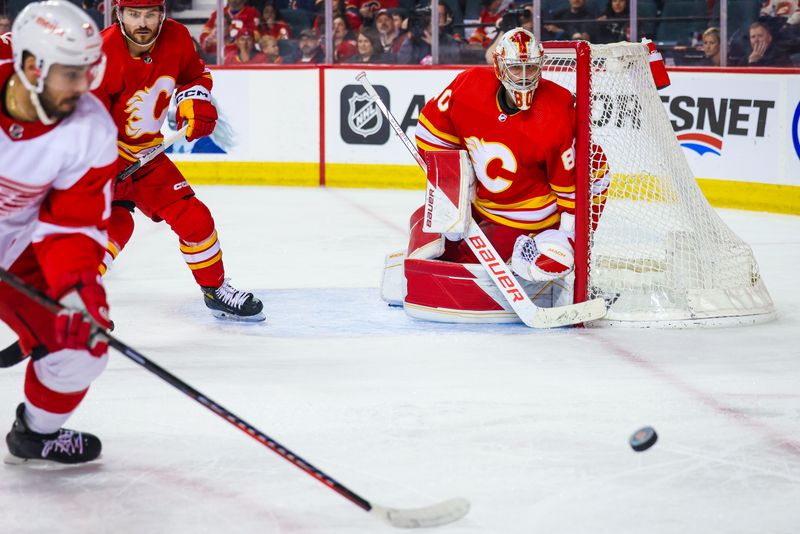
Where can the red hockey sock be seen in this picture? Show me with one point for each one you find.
(191, 220)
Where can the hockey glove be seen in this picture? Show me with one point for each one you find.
(548, 255)
(194, 106)
(85, 309)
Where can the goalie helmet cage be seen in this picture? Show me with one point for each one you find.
(649, 243)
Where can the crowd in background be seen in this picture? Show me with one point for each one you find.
(399, 31)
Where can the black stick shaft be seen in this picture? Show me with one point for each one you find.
(196, 395)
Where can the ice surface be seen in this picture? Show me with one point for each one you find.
(531, 426)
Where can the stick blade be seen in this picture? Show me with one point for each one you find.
(429, 516)
(581, 312)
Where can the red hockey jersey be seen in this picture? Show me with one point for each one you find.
(137, 91)
(55, 185)
(524, 160)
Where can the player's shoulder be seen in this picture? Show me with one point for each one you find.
(555, 93)
(476, 75)
(174, 30)
(90, 122)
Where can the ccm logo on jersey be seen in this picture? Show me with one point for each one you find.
(197, 91)
(180, 185)
(507, 281)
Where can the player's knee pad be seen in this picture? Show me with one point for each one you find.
(423, 245)
(189, 218)
(120, 226)
(69, 370)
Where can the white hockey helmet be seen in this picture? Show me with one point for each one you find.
(56, 32)
(518, 65)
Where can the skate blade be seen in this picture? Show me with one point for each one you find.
(239, 318)
(45, 465)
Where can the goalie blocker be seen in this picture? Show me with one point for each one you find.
(447, 291)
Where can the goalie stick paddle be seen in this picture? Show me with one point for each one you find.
(528, 312)
(429, 516)
(150, 156)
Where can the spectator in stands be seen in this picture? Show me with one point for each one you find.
(386, 29)
(5, 24)
(269, 47)
(763, 51)
(400, 21)
(245, 52)
(572, 22)
(310, 51)
(416, 49)
(344, 40)
(491, 14)
(370, 49)
(613, 25)
(90, 7)
(272, 23)
(367, 12)
(239, 15)
(711, 47)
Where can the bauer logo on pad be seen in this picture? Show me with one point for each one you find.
(361, 122)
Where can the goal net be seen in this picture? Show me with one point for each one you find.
(647, 240)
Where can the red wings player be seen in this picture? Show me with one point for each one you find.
(58, 160)
(151, 57)
(519, 130)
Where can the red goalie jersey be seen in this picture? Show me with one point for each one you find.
(524, 160)
(137, 91)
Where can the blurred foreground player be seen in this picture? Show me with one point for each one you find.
(149, 58)
(518, 130)
(58, 160)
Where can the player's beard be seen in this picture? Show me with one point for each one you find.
(142, 35)
(58, 108)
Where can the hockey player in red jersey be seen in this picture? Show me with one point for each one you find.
(58, 159)
(150, 57)
(519, 131)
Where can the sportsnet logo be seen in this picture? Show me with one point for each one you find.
(701, 143)
(796, 130)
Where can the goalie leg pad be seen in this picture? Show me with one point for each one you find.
(464, 293)
(449, 193)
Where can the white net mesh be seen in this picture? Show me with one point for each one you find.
(657, 249)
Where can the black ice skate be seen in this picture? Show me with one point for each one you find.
(61, 448)
(227, 302)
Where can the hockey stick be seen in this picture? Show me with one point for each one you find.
(429, 516)
(530, 314)
(150, 156)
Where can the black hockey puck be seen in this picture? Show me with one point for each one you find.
(643, 439)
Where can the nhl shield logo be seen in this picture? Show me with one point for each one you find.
(363, 116)
(361, 122)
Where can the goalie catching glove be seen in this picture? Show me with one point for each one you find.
(85, 309)
(194, 106)
(548, 255)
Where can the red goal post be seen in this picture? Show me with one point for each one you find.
(647, 240)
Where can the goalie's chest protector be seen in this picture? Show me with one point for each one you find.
(140, 89)
(516, 155)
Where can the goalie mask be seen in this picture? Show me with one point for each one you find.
(518, 65)
(56, 33)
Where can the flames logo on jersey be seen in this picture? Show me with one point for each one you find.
(482, 154)
(148, 107)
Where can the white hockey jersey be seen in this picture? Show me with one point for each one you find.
(55, 183)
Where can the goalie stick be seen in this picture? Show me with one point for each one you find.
(528, 312)
(150, 156)
(429, 516)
